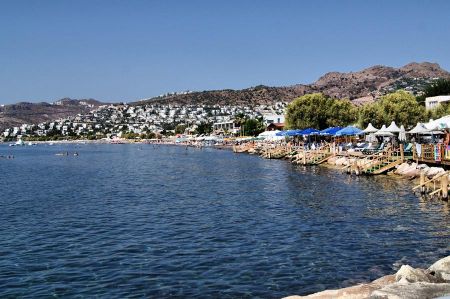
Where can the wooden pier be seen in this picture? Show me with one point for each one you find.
(434, 187)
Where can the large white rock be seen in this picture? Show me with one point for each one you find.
(441, 268)
(361, 291)
(409, 274)
(417, 290)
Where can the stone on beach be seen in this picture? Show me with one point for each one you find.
(441, 268)
(355, 292)
(407, 283)
(409, 274)
(416, 290)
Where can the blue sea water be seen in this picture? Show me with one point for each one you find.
(134, 221)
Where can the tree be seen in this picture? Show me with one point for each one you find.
(319, 111)
(204, 128)
(341, 113)
(253, 127)
(399, 106)
(179, 129)
(437, 88)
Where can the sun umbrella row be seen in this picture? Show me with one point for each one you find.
(332, 131)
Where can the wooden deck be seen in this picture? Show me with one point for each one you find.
(436, 154)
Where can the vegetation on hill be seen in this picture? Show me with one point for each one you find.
(438, 88)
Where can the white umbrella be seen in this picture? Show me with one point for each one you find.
(393, 128)
(370, 129)
(419, 129)
(402, 134)
(383, 132)
(268, 133)
(439, 124)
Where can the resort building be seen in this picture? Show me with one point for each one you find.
(432, 102)
(228, 126)
(273, 118)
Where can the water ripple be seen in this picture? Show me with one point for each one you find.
(163, 221)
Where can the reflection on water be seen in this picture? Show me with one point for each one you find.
(161, 221)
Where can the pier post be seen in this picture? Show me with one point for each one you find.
(422, 182)
(402, 154)
(444, 186)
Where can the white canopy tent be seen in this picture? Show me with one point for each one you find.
(439, 124)
(370, 129)
(271, 135)
(393, 128)
(383, 132)
(419, 129)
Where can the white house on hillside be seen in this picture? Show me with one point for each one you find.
(433, 102)
(273, 118)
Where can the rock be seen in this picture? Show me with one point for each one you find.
(355, 292)
(409, 274)
(402, 168)
(432, 171)
(441, 268)
(417, 290)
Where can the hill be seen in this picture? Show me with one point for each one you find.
(360, 87)
(33, 113)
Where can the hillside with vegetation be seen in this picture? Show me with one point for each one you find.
(33, 113)
(359, 87)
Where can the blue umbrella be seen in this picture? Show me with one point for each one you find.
(330, 131)
(281, 133)
(293, 132)
(348, 131)
(309, 131)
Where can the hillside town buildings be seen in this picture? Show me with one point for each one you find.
(118, 119)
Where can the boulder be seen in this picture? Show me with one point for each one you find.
(355, 292)
(432, 171)
(409, 274)
(441, 269)
(416, 290)
(401, 168)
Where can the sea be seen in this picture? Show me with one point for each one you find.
(159, 221)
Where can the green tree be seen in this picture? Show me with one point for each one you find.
(179, 129)
(253, 127)
(204, 128)
(341, 113)
(319, 111)
(399, 106)
(437, 88)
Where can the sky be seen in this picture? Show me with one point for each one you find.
(129, 50)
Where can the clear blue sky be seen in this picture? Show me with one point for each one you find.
(127, 50)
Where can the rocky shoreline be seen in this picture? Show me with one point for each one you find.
(407, 283)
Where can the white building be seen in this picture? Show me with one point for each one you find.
(273, 118)
(433, 102)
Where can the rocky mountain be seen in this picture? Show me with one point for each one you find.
(362, 86)
(32, 113)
